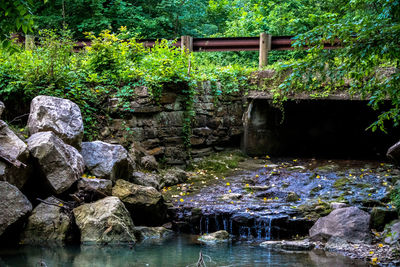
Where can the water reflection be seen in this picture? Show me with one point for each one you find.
(178, 251)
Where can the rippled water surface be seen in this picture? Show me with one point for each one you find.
(178, 251)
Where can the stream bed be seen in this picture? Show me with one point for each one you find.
(178, 251)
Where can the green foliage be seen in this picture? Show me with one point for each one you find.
(114, 66)
(366, 65)
(14, 16)
(395, 196)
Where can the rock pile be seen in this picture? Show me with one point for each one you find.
(56, 189)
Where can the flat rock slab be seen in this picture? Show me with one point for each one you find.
(14, 206)
(60, 116)
(106, 221)
(61, 164)
(145, 203)
(301, 245)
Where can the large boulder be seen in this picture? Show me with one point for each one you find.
(14, 206)
(394, 153)
(350, 224)
(60, 116)
(61, 164)
(49, 223)
(107, 161)
(16, 169)
(105, 221)
(145, 203)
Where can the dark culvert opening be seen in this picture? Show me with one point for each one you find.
(316, 128)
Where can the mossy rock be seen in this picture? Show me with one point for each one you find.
(341, 182)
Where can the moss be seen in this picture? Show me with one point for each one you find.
(220, 163)
(341, 182)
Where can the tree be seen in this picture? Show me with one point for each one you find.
(14, 16)
(367, 63)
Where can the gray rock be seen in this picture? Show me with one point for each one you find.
(394, 152)
(48, 224)
(107, 161)
(231, 196)
(61, 164)
(338, 205)
(173, 176)
(145, 203)
(159, 233)
(2, 107)
(60, 116)
(102, 185)
(105, 221)
(216, 237)
(146, 179)
(350, 224)
(16, 150)
(14, 206)
(149, 162)
(300, 245)
(292, 197)
(392, 233)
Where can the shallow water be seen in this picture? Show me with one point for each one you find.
(181, 250)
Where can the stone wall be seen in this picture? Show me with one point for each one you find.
(157, 128)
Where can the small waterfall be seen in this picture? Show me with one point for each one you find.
(246, 120)
(260, 228)
(216, 222)
(225, 223)
(268, 224)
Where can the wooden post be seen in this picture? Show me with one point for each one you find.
(29, 42)
(187, 43)
(265, 47)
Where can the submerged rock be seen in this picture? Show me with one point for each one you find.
(145, 203)
(60, 116)
(48, 224)
(107, 161)
(350, 224)
(105, 221)
(15, 150)
(216, 237)
(159, 233)
(14, 206)
(300, 245)
(61, 164)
